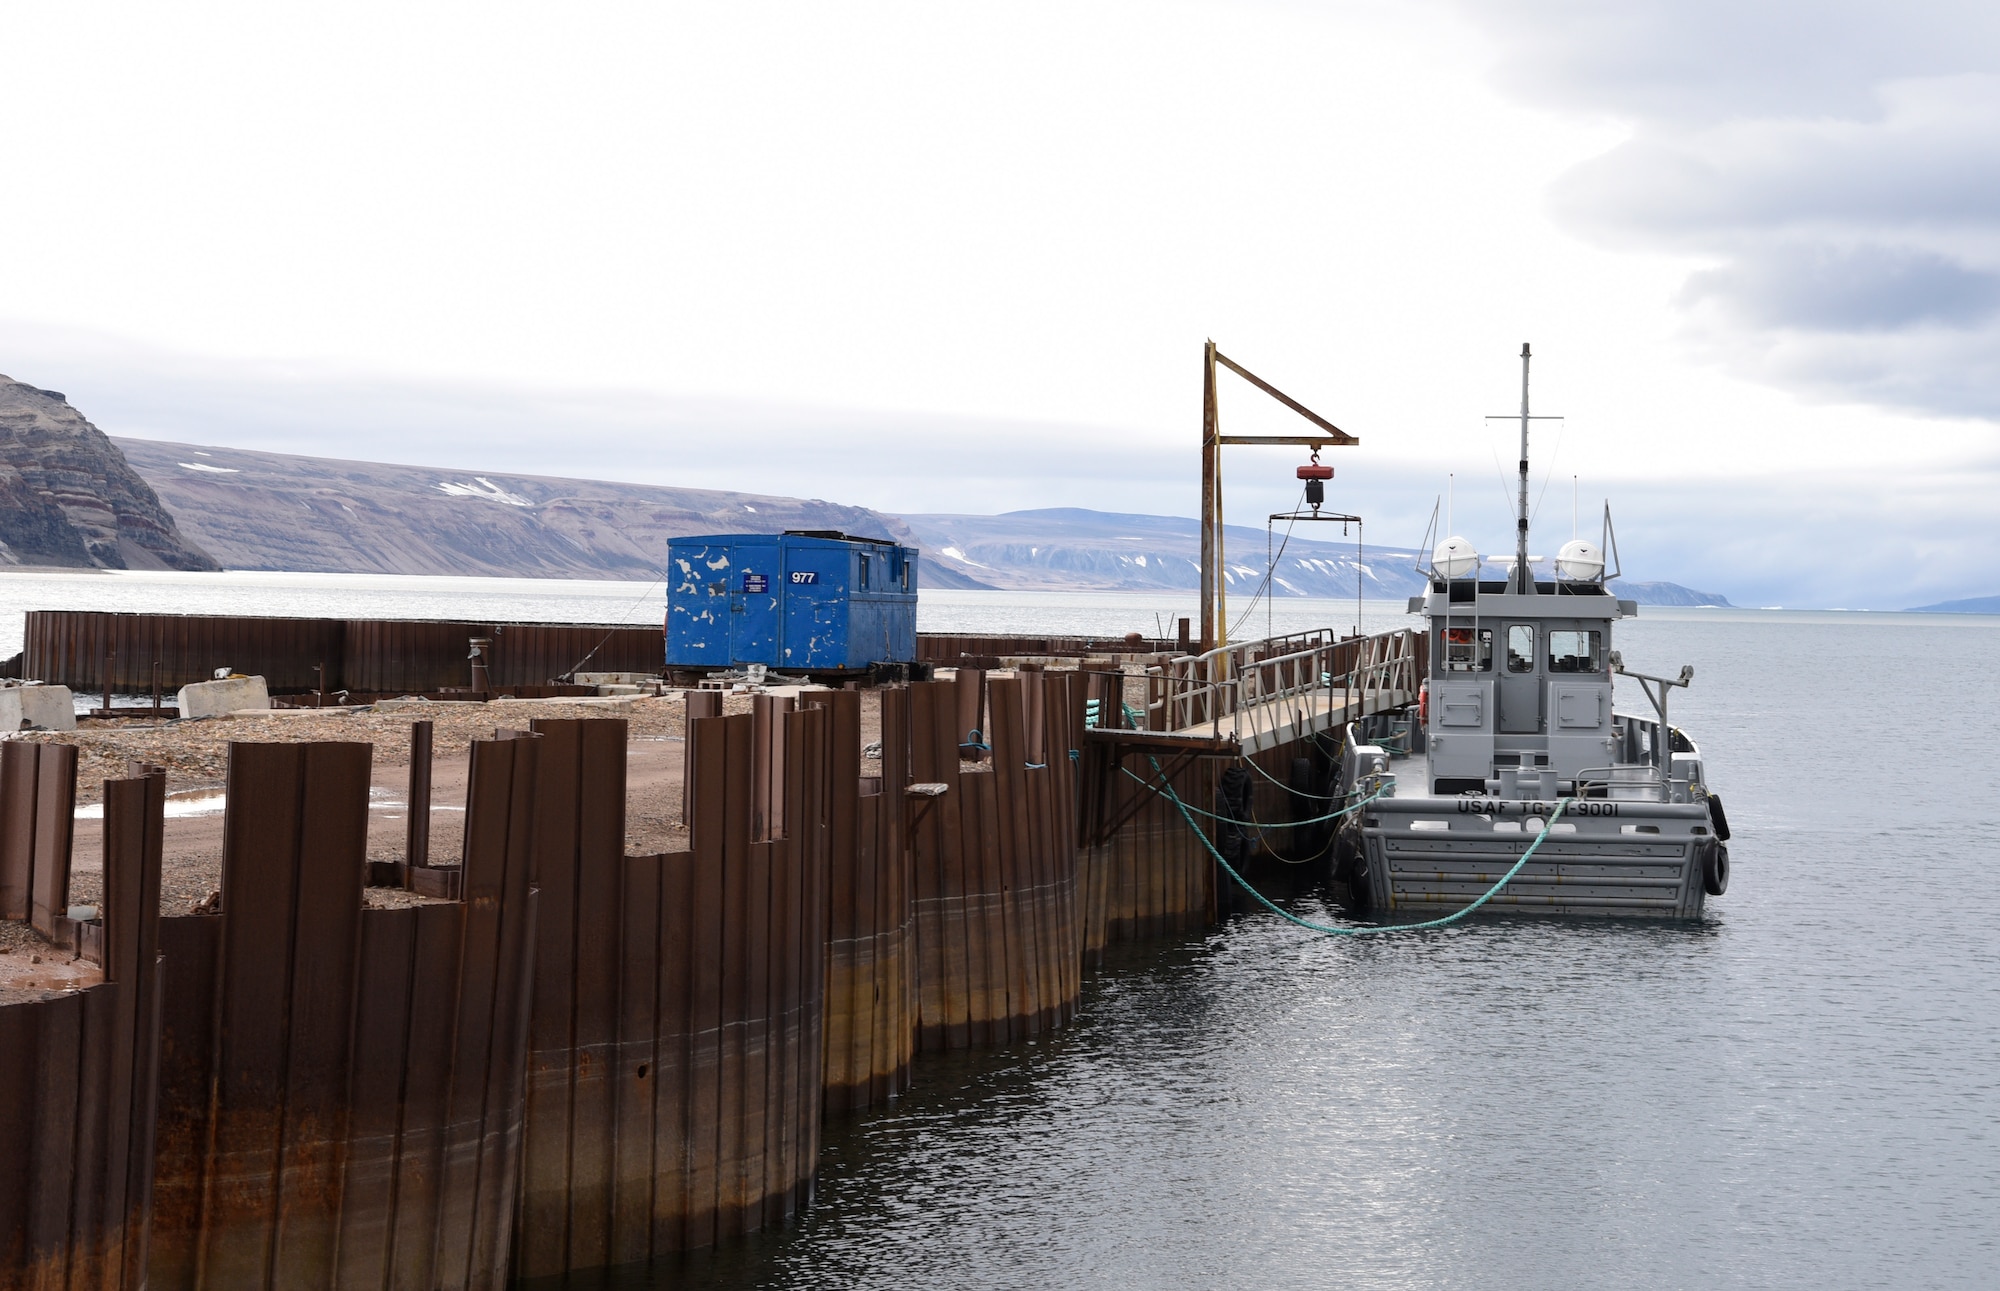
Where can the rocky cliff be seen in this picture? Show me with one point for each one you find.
(69, 497)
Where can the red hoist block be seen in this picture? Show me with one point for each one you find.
(1315, 472)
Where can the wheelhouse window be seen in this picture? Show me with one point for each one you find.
(1468, 649)
(1576, 651)
(1521, 648)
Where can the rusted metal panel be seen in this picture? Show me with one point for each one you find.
(708, 749)
(937, 828)
(417, 820)
(599, 834)
(388, 656)
(113, 1124)
(51, 1163)
(55, 822)
(535, 653)
(472, 1239)
(20, 1036)
(19, 797)
(428, 1047)
(754, 1025)
(736, 835)
(700, 703)
(326, 942)
(545, 1181)
(261, 829)
(790, 858)
(382, 996)
(190, 969)
(1010, 784)
(635, 1070)
(506, 1089)
(672, 1087)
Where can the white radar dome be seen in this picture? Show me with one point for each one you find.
(1454, 558)
(1579, 561)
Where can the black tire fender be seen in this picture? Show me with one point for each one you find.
(1718, 817)
(1715, 869)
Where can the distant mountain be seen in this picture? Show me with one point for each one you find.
(1082, 550)
(1975, 605)
(257, 510)
(1665, 594)
(69, 497)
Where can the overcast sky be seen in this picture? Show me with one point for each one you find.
(936, 257)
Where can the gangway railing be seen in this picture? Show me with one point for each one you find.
(1255, 691)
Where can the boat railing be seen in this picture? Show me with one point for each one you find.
(1634, 782)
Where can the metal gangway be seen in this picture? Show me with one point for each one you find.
(1258, 695)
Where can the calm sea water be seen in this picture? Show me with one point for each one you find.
(1801, 1090)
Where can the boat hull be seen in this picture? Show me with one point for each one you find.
(1432, 855)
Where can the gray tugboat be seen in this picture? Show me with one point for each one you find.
(1516, 716)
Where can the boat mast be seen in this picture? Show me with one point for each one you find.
(1524, 580)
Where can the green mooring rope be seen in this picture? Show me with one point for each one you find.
(1258, 824)
(1282, 913)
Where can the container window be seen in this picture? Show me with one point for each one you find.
(1521, 648)
(1576, 651)
(862, 581)
(1467, 650)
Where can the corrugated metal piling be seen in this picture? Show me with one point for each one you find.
(92, 650)
(342, 1088)
(571, 1057)
(77, 1087)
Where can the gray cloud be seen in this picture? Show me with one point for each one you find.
(1835, 163)
(1693, 63)
(1870, 288)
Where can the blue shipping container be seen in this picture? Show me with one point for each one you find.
(795, 602)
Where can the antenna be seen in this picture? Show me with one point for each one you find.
(1424, 557)
(1523, 580)
(1523, 577)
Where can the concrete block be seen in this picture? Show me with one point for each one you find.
(53, 708)
(233, 695)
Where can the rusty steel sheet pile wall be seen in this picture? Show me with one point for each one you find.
(677, 1033)
(1145, 873)
(77, 1080)
(374, 656)
(69, 648)
(589, 1059)
(949, 648)
(999, 937)
(870, 995)
(341, 1088)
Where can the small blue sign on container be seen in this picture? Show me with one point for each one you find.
(756, 582)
